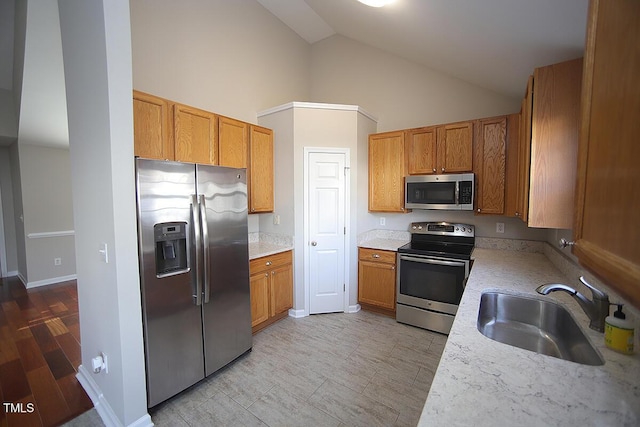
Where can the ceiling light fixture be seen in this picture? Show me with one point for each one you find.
(376, 3)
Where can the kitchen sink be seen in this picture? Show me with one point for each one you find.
(537, 325)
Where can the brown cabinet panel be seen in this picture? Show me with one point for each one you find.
(554, 144)
(387, 165)
(377, 287)
(422, 150)
(455, 148)
(272, 278)
(607, 239)
(195, 135)
(152, 127)
(261, 173)
(377, 279)
(511, 174)
(524, 154)
(233, 139)
(259, 284)
(491, 150)
(377, 255)
(281, 289)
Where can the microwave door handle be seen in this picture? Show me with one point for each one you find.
(457, 192)
(433, 261)
(205, 245)
(195, 224)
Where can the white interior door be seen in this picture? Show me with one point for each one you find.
(326, 231)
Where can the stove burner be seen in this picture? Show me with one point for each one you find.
(441, 239)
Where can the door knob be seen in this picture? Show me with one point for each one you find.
(314, 243)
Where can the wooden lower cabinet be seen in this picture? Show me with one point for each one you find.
(377, 280)
(271, 283)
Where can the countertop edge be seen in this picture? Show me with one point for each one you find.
(477, 375)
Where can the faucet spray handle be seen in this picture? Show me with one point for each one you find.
(597, 293)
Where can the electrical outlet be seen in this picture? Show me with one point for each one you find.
(499, 227)
(57, 261)
(276, 219)
(383, 220)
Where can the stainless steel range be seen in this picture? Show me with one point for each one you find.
(432, 272)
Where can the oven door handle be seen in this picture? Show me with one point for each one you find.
(432, 261)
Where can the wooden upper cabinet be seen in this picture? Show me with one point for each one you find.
(422, 150)
(387, 165)
(195, 135)
(554, 144)
(524, 154)
(152, 127)
(455, 148)
(606, 235)
(491, 152)
(233, 141)
(511, 173)
(260, 172)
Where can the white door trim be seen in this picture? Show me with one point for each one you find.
(3, 246)
(347, 208)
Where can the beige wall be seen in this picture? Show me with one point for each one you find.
(47, 207)
(401, 94)
(229, 57)
(314, 126)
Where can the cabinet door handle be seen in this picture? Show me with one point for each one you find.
(442, 169)
(434, 169)
(479, 210)
(375, 256)
(393, 267)
(268, 263)
(314, 243)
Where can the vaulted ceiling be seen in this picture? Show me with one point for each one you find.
(494, 44)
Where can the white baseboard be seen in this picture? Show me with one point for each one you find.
(11, 273)
(109, 418)
(296, 313)
(354, 308)
(51, 281)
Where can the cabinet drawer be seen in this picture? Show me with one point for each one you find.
(365, 254)
(270, 261)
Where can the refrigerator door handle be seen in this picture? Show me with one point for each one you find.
(195, 215)
(205, 245)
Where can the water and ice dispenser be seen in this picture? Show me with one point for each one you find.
(171, 248)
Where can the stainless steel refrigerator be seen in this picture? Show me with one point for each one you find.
(194, 268)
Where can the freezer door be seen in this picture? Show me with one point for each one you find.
(172, 321)
(226, 303)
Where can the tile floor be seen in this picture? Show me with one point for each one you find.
(359, 369)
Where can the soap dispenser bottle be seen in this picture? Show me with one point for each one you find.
(618, 332)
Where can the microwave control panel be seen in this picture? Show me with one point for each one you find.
(466, 192)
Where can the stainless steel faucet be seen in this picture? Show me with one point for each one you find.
(597, 308)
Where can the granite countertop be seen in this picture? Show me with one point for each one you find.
(265, 244)
(386, 240)
(482, 382)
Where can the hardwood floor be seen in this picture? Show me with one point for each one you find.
(39, 355)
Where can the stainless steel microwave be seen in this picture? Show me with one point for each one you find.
(445, 192)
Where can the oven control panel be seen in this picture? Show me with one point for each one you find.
(442, 229)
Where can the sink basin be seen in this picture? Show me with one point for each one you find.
(537, 325)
